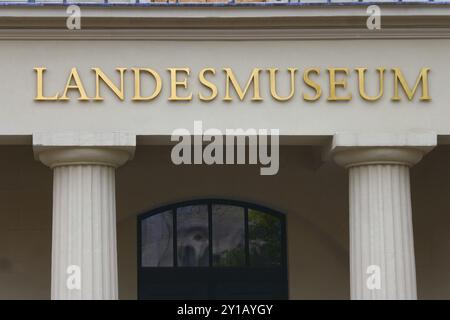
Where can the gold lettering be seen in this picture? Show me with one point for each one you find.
(273, 84)
(99, 74)
(312, 84)
(334, 84)
(174, 83)
(209, 90)
(211, 86)
(362, 84)
(137, 84)
(78, 86)
(254, 78)
(423, 77)
(40, 86)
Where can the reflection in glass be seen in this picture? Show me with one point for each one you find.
(228, 235)
(264, 239)
(192, 236)
(157, 240)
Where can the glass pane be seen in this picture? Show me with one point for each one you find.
(228, 235)
(193, 236)
(264, 239)
(157, 240)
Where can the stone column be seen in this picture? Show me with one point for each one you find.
(84, 253)
(382, 264)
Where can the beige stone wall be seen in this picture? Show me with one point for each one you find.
(317, 228)
(25, 225)
(313, 196)
(431, 213)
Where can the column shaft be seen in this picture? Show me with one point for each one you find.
(381, 232)
(84, 244)
(84, 232)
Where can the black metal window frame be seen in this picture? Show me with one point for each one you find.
(207, 282)
(210, 202)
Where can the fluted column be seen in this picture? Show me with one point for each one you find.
(84, 252)
(382, 264)
(84, 232)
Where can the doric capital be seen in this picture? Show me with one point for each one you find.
(407, 149)
(62, 149)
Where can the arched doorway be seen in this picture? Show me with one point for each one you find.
(212, 249)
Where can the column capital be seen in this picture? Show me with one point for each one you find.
(62, 149)
(349, 150)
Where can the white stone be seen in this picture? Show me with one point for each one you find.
(349, 149)
(423, 140)
(110, 149)
(381, 232)
(95, 139)
(84, 210)
(84, 231)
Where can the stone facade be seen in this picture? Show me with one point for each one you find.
(210, 1)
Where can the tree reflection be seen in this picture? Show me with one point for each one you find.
(264, 239)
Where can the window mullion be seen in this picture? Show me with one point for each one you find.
(210, 242)
(174, 237)
(246, 237)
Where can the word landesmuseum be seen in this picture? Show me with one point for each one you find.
(330, 83)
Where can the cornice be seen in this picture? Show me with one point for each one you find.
(222, 35)
(395, 19)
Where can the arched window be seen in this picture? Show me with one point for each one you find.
(212, 249)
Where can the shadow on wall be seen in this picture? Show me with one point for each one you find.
(25, 225)
(317, 230)
(430, 190)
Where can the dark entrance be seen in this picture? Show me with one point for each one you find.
(212, 249)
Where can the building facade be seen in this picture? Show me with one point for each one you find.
(96, 97)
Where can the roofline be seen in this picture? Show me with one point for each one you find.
(226, 4)
(411, 15)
